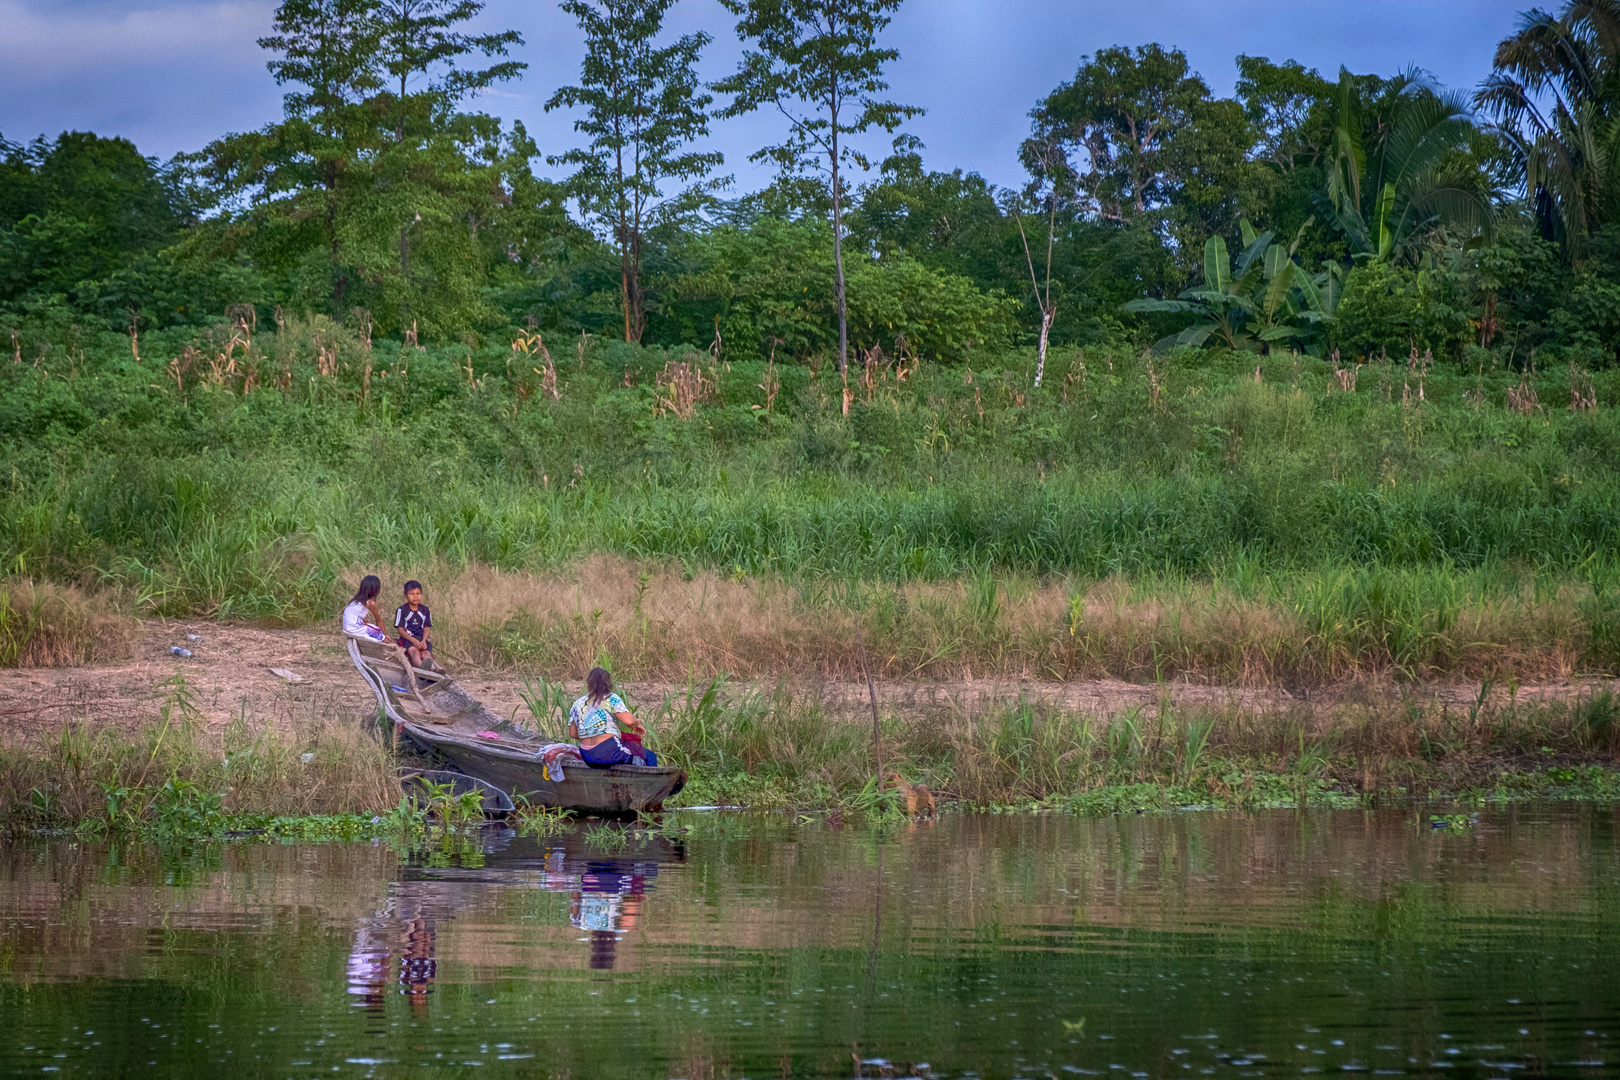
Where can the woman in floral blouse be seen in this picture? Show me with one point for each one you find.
(599, 720)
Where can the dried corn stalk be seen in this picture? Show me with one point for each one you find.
(679, 388)
(530, 345)
(1522, 398)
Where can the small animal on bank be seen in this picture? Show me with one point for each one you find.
(919, 800)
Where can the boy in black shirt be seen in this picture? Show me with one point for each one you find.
(414, 622)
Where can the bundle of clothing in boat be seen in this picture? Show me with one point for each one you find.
(556, 755)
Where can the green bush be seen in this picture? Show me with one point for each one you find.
(1391, 309)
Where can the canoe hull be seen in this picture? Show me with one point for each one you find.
(621, 789)
(451, 724)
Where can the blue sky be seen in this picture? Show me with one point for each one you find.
(172, 74)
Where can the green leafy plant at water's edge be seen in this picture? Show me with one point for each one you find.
(540, 821)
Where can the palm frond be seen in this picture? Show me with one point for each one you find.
(1144, 306)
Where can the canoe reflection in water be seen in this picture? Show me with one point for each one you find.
(395, 948)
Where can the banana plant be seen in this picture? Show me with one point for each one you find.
(1263, 299)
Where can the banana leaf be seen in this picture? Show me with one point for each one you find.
(1217, 267)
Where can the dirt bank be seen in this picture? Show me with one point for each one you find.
(229, 675)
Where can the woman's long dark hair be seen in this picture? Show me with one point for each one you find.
(598, 685)
(370, 587)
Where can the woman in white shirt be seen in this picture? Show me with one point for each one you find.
(361, 618)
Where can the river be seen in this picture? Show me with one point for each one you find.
(1193, 944)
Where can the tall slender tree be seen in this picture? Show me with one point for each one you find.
(299, 174)
(1052, 187)
(418, 40)
(643, 106)
(818, 64)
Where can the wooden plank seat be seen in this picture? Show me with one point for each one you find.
(389, 661)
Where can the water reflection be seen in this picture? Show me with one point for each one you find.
(396, 945)
(394, 948)
(1277, 944)
(607, 903)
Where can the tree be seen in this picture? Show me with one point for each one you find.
(1556, 90)
(417, 40)
(1279, 100)
(643, 106)
(950, 221)
(1143, 139)
(1120, 113)
(362, 161)
(817, 62)
(1403, 168)
(299, 172)
(77, 210)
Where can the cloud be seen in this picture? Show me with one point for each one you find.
(90, 39)
(169, 76)
(174, 74)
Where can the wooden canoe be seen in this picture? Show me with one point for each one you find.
(444, 720)
(420, 785)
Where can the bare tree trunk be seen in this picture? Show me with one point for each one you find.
(624, 271)
(635, 299)
(1048, 314)
(1043, 298)
(339, 279)
(838, 286)
(622, 227)
(399, 140)
(636, 302)
(624, 290)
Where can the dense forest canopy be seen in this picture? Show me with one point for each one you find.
(1330, 213)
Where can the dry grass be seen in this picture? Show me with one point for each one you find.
(658, 622)
(786, 750)
(82, 772)
(48, 625)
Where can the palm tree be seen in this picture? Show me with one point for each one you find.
(1403, 171)
(1556, 92)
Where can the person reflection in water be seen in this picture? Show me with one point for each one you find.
(372, 957)
(417, 966)
(368, 968)
(608, 905)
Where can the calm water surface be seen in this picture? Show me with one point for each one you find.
(1191, 945)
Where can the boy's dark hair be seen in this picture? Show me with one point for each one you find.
(409, 585)
(370, 586)
(598, 684)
